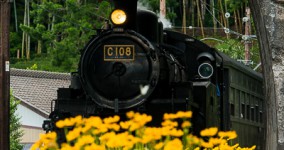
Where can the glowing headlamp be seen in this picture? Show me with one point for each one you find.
(118, 17)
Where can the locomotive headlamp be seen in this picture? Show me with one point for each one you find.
(205, 70)
(118, 17)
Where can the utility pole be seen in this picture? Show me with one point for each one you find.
(162, 8)
(247, 34)
(4, 75)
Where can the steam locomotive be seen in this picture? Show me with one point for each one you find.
(135, 64)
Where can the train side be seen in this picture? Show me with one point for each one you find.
(244, 100)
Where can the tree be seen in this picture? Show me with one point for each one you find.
(15, 132)
(269, 19)
(63, 27)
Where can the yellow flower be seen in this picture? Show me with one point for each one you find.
(216, 141)
(126, 124)
(186, 124)
(94, 146)
(130, 114)
(175, 144)
(36, 145)
(73, 134)
(66, 146)
(107, 136)
(85, 139)
(206, 144)
(113, 126)
(225, 146)
(169, 116)
(228, 134)
(209, 131)
(60, 124)
(252, 148)
(176, 133)
(193, 140)
(94, 121)
(159, 145)
(110, 120)
(170, 123)
(181, 114)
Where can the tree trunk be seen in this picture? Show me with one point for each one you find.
(240, 22)
(269, 19)
(28, 36)
(222, 13)
(183, 17)
(24, 34)
(39, 47)
(193, 16)
(16, 17)
(212, 3)
(236, 21)
(199, 18)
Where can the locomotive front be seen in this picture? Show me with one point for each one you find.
(119, 68)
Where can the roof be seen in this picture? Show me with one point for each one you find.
(36, 89)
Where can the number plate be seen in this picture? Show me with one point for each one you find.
(119, 52)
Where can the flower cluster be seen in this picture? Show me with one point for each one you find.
(110, 133)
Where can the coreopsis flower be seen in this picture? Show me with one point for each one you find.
(46, 141)
(159, 145)
(110, 120)
(176, 133)
(66, 146)
(186, 124)
(69, 122)
(94, 146)
(107, 136)
(193, 140)
(153, 133)
(175, 144)
(228, 134)
(216, 141)
(84, 140)
(206, 144)
(94, 121)
(169, 116)
(73, 134)
(225, 146)
(130, 114)
(182, 114)
(209, 131)
(125, 125)
(170, 123)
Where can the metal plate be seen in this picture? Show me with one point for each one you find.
(119, 52)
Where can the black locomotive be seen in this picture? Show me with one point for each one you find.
(135, 64)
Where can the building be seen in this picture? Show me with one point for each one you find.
(35, 90)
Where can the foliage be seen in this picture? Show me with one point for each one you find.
(15, 132)
(95, 133)
(15, 43)
(42, 63)
(235, 49)
(64, 27)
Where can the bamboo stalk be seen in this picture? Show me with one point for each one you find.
(199, 18)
